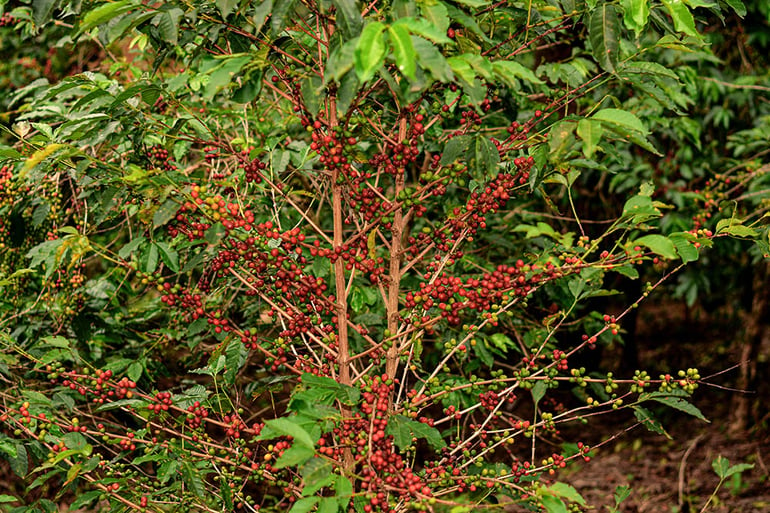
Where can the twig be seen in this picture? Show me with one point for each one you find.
(682, 467)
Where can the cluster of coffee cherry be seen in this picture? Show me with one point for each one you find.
(158, 156)
(8, 20)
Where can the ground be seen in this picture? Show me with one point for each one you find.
(676, 475)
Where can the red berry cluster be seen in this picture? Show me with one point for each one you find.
(127, 442)
(365, 436)
(161, 402)
(196, 414)
(252, 168)
(234, 425)
(7, 20)
(158, 156)
(452, 294)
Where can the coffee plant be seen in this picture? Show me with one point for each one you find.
(340, 256)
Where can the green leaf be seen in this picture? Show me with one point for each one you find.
(235, 354)
(622, 118)
(658, 244)
(403, 50)
(316, 474)
(20, 462)
(168, 25)
(293, 456)
(4, 498)
(675, 402)
(281, 8)
(193, 479)
(649, 68)
(104, 13)
(683, 242)
(682, 17)
(507, 70)
(482, 157)
(169, 256)
(483, 353)
(474, 3)
(114, 405)
(343, 487)
(635, 14)
(134, 371)
(261, 12)
(304, 505)
(284, 426)
(84, 499)
(738, 230)
(167, 470)
(553, 504)
(75, 441)
(215, 234)
(436, 14)
(538, 391)
(221, 76)
(41, 11)
(454, 148)
(226, 7)
(348, 17)
(737, 6)
(340, 61)
(651, 423)
(328, 505)
(227, 494)
(568, 492)
(502, 341)
(739, 468)
(320, 389)
(590, 131)
(621, 493)
(603, 32)
(424, 28)
(370, 51)
(73, 472)
(720, 466)
(404, 430)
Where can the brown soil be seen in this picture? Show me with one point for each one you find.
(676, 475)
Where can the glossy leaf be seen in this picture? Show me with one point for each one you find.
(635, 14)
(432, 60)
(684, 244)
(41, 11)
(674, 401)
(682, 17)
(508, 71)
(348, 17)
(316, 474)
(738, 6)
(226, 7)
(304, 505)
(436, 13)
(590, 131)
(403, 50)
(658, 244)
(281, 10)
(285, 426)
(604, 34)
(404, 430)
(105, 13)
(370, 51)
(622, 118)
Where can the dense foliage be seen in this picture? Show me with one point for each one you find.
(340, 256)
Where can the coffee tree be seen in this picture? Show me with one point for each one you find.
(333, 256)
